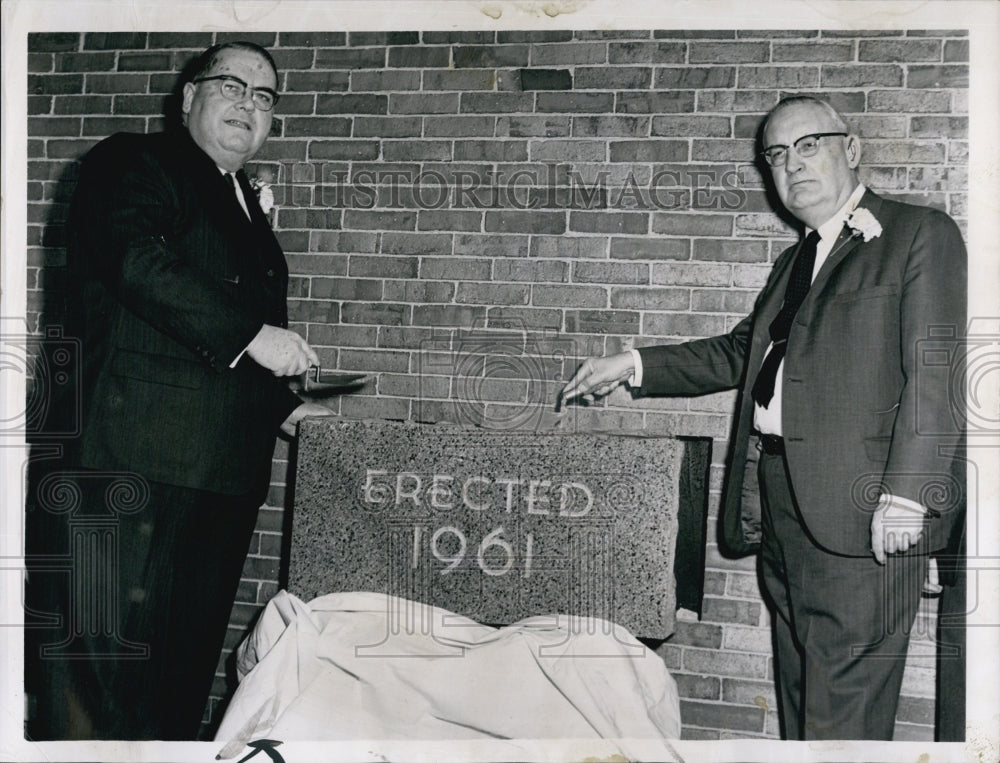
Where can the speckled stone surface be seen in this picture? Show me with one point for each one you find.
(494, 525)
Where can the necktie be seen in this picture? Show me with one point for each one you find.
(795, 293)
(231, 180)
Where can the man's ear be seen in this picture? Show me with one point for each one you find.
(188, 97)
(853, 150)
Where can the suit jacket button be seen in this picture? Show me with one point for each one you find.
(270, 272)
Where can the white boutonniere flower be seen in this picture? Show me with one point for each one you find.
(863, 223)
(265, 195)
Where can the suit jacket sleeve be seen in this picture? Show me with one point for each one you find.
(929, 421)
(697, 367)
(124, 205)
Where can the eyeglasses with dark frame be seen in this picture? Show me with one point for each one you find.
(235, 89)
(805, 146)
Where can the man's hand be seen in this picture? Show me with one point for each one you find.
(896, 526)
(306, 409)
(597, 377)
(282, 352)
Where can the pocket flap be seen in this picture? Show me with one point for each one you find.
(158, 369)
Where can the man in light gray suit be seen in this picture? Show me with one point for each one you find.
(854, 434)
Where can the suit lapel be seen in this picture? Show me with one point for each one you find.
(250, 196)
(769, 306)
(846, 243)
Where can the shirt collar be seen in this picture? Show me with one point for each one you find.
(831, 228)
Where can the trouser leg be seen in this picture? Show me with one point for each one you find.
(848, 621)
(144, 600)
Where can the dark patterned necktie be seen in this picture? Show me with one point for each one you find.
(795, 293)
(231, 180)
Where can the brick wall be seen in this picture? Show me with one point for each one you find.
(581, 190)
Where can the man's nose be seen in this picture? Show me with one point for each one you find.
(246, 102)
(793, 161)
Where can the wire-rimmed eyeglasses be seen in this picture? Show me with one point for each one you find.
(805, 146)
(235, 89)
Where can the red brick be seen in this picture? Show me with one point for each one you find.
(610, 126)
(578, 53)
(377, 313)
(465, 268)
(728, 52)
(419, 58)
(697, 687)
(458, 79)
(647, 52)
(586, 103)
(53, 41)
(939, 127)
(684, 325)
(386, 127)
(603, 321)
(795, 52)
(610, 272)
(651, 298)
(461, 316)
(612, 77)
(567, 247)
(384, 80)
(697, 634)
(114, 40)
(778, 76)
(372, 58)
(55, 84)
(909, 101)
(321, 127)
(904, 152)
(362, 103)
(144, 62)
(692, 77)
(525, 222)
(719, 663)
(480, 56)
(423, 103)
(725, 250)
(743, 692)
(949, 76)
(346, 288)
(852, 75)
(54, 126)
(363, 407)
(910, 51)
(728, 101)
(379, 220)
(721, 716)
(496, 103)
(568, 296)
(374, 361)
(650, 248)
(609, 222)
(537, 271)
(690, 274)
(956, 51)
(492, 294)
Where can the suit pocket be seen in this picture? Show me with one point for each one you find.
(858, 295)
(158, 369)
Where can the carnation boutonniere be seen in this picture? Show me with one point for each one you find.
(863, 223)
(265, 195)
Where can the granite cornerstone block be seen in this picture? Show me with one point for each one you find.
(495, 525)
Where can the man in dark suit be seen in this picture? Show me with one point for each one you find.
(178, 301)
(854, 433)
